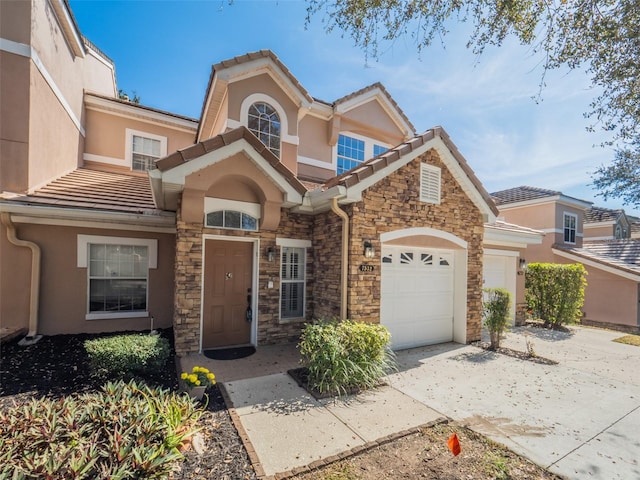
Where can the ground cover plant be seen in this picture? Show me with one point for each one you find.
(629, 340)
(343, 356)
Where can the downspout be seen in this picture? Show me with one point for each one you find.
(345, 256)
(32, 336)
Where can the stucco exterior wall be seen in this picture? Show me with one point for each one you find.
(106, 134)
(314, 139)
(64, 286)
(609, 299)
(370, 119)
(394, 203)
(599, 232)
(15, 21)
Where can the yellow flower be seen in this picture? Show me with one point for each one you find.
(211, 376)
(183, 376)
(197, 382)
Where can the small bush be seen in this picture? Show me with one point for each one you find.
(345, 356)
(125, 431)
(124, 356)
(555, 292)
(495, 310)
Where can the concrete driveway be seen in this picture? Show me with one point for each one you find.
(579, 419)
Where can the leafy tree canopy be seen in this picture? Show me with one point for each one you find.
(600, 36)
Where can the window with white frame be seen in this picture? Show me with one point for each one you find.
(570, 227)
(117, 274)
(292, 282)
(264, 122)
(118, 278)
(144, 149)
(430, 183)
(352, 150)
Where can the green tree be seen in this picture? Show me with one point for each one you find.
(600, 36)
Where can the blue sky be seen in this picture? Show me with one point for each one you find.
(163, 50)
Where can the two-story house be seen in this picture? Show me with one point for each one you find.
(271, 209)
(577, 232)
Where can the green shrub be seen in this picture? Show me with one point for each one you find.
(124, 356)
(495, 310)
(125, 431)
(345, 356)
(555, 292)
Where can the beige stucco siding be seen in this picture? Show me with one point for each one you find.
(314, 139)
(371, 120)
(106, 134)
(15, 21)
(64, 286)
(600, 231)
(14, 121)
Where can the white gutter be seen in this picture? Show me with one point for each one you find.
(345, 256)
(34, 292)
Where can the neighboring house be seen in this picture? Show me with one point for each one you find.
(635, 226)
(605, 224)
(270, 210)
(612, 295)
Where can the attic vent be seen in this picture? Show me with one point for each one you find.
(429, 184)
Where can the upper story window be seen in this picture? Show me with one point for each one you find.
(570, 227)
(144, 149)
(430, 184)
(353, 149)
(350, 153)
(264, 122)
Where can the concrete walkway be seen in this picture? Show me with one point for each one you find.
(580, 418)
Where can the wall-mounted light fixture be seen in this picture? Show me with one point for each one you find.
(271, 254)
(523, 264)
(369, 252)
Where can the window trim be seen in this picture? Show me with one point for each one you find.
(128, 146)
(284, 122)
(82, 261)
(304, 245)
(565, 230)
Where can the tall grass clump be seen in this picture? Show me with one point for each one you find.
(343, 356)
(125, 356)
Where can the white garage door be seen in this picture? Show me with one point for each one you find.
(416, 301)
(499, 271)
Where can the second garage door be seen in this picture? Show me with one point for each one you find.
(416, 301)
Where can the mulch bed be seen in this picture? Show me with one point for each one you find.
(58, 366)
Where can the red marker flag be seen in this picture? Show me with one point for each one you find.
(454, 444)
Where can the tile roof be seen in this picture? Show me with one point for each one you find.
(95, 189)
(512, 227)
(197, 150)
(600, 214)
(522, 194)
(368, 168)
(621, 254)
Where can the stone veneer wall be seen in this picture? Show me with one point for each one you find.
(188, 275)
(394, 203)
(327, 247)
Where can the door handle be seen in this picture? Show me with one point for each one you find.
(229, 275)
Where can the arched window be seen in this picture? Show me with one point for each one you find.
(264, 123)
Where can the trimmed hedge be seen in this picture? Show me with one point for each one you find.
(342, 356)
(555, 292)
(124, 356)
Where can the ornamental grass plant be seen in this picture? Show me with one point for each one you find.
(126, 430)
(345, 356)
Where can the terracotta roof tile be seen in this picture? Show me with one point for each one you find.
(194, 151)
(368, 168)
(95, 189)
(621, 254)
(522, 194)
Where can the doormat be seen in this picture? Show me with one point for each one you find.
(232, 353)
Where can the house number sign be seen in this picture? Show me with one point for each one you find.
(366, 268)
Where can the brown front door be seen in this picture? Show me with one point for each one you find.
(227, 284)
